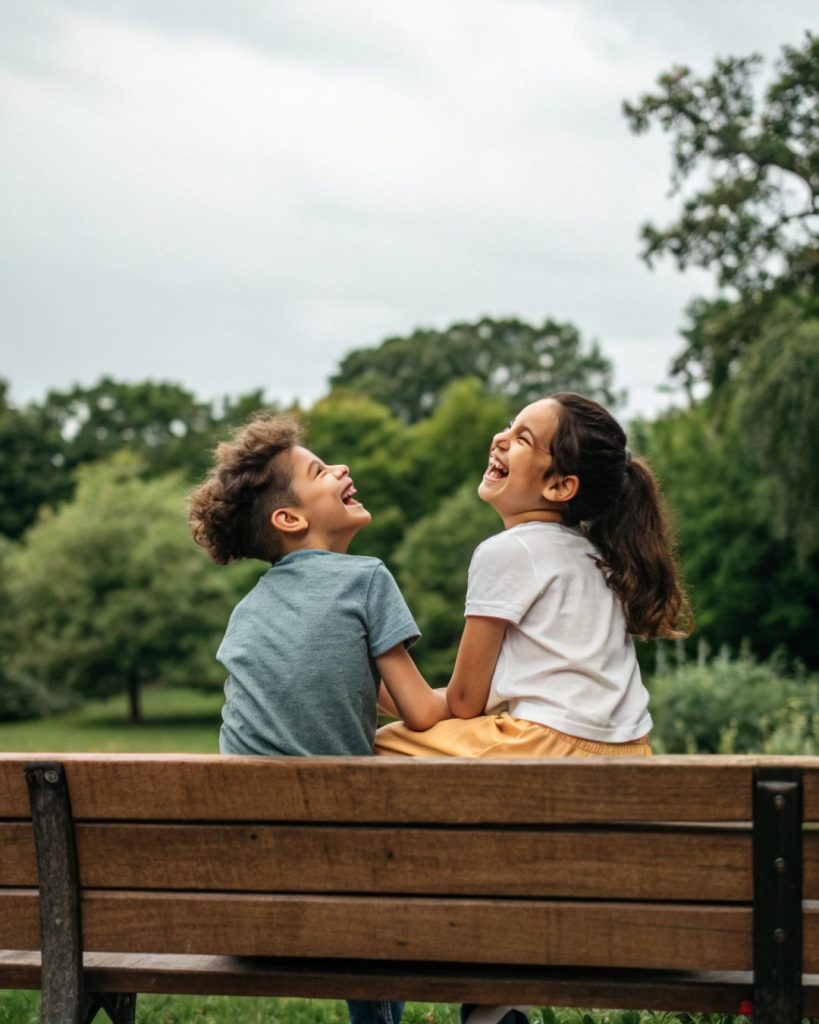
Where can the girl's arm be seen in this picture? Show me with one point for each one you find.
(414, 700)
(385, 702)
(478, 652)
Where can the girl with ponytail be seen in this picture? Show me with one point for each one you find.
(546, 666)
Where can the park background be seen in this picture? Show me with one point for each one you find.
(403, 226)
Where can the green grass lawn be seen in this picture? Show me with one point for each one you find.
(176, 721)
(22, 1008)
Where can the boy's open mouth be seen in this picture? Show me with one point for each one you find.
(347, 494)
(495, 470)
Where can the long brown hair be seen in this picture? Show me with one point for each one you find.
(619, 506)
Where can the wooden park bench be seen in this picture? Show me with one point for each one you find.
(658, 883)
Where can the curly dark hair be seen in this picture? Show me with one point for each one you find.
(620, 508)
(230, 511)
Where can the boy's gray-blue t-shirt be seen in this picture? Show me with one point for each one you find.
(300, 650)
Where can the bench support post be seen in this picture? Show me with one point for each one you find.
(63, 998)
(777, 846)
(60, 940)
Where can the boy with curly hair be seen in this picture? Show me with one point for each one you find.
(305, 649)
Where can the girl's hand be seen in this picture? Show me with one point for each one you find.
(478, 652)
(407, 691)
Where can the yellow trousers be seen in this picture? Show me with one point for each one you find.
(496, 736)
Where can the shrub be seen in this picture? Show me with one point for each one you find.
(734, 706)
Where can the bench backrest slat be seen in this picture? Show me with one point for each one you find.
(379, 790)
(674, 864)
(662, 936)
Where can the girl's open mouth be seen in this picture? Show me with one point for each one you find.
(495, 471)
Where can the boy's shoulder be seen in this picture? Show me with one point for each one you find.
(318, 564)
(347, 565)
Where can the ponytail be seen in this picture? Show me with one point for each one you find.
(634, 542)
(619, 506)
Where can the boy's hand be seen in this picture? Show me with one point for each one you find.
(408, 692)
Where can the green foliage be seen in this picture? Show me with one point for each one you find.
(753, 160)
(349, 428)
(451, 446)
(31, 471)
(23, 1008)
(109, 591)
(734, 706)
(514, 359)
(161, 420)
(744, 581)
(777, 409)
(42, 444)
(432, 563)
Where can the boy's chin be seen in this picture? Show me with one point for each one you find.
(360, 516)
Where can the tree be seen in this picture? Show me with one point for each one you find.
(451, 446)
(350, 428)
(164, 422)
(752, 213)
(776, 403)
(109, 592)
(745, 583)
(42, 444)
(31, 471)
(512, 358)
(432, 563)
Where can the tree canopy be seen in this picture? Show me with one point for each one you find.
(108, 592)
(512, 358)
(746, 166)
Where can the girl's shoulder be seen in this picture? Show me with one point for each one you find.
(536, 536)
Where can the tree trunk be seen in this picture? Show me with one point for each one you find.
(134, 702)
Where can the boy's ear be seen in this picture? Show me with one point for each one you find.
(561, 488)
(289, 520)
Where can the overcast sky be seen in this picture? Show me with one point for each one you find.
(233, 195)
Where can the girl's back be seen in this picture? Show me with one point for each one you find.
(566, 660)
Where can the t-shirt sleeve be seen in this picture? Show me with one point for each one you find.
(389, 621)
(503, 583)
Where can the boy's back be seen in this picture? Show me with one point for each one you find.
(299, 650)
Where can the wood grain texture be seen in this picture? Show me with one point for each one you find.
(663, 936)
(680, 864)
(716, 992)
(402, 790)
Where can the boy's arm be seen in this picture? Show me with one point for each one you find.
(478, 651)
(414, 700)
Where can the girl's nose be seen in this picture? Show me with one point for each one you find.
(500, 439)
(341, 470)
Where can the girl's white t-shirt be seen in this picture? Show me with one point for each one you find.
(567, 660)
